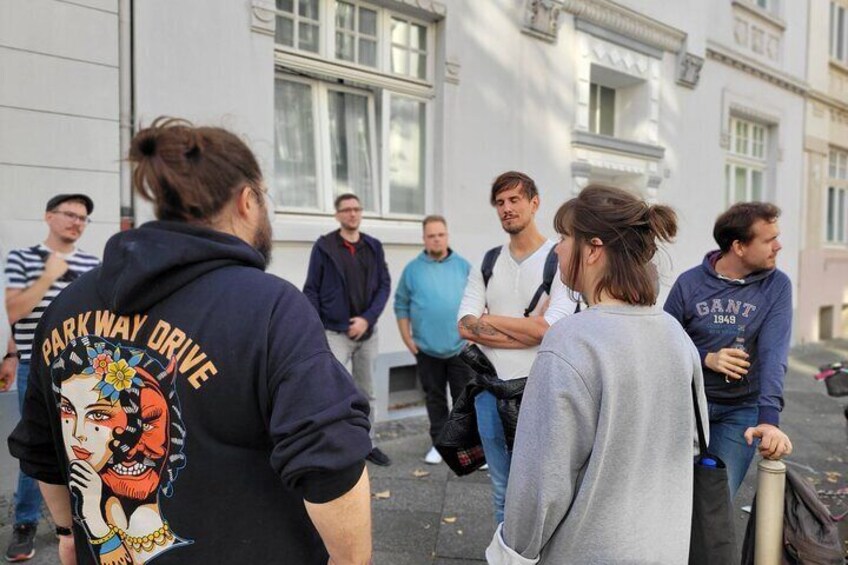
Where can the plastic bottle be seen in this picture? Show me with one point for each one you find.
(739, 342)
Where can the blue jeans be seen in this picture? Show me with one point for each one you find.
(494, 446)
(727, 430)
(28, 496)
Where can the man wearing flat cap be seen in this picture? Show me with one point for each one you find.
(34, 277)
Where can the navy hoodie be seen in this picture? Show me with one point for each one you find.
(191, 403)
(712, 309)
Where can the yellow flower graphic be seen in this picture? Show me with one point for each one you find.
(119, 375)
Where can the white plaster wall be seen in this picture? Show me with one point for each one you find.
(58, 115)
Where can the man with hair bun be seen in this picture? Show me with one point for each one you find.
(737, 308)
(183, 405)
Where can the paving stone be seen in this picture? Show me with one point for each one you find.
(403, 531)
(470, 534)
(408, 494)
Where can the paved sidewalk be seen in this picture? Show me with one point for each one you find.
(440, 519)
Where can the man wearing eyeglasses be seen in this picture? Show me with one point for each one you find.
(34, 277)
(348, 283)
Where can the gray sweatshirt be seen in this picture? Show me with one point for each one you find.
(602, 467)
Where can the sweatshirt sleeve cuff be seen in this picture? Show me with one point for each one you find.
(321, 487)
(769, 415)
(499, 553)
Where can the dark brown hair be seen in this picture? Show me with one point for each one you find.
(628, 229)
(433, 218)
(190, 173)
(342, 197)
(737, 222)
(511, 179)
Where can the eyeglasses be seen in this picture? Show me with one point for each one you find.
(73, 217)
(355, 210)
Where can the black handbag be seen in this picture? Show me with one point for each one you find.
(712, 539)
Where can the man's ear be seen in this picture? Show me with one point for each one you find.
(737, 248)
(245, 201)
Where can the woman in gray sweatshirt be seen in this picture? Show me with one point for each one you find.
(602, 466)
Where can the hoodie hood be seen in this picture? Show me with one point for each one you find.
(709, 266)
(142, 267)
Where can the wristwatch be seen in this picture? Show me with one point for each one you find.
(63, 531)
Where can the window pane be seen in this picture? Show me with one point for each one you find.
(399, 32)
(727, 187)
(344, 16)
(740, 185)
(843, 165)
(368, 52)
(400, 60)
(286, 6)
(344, 46)
(350, 140)
(741, 138)
(763, 4)
(831, 169)
(294, 158)
(756, 185)
(418, 37)
(832, 29)
(307, 37)
(840, 217)
(406, 156)
(831, 213)
(284, 32)
(840, 33)
(607, 111)
(308, 9)
(368, 22)
(420, 61)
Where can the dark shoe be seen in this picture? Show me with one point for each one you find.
(21, 548)
(377, 457)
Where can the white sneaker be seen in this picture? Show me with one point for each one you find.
(485, 467)
(432, 457)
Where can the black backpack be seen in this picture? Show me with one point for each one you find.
(548, 274)
(810, 534)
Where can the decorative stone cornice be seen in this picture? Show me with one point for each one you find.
(624, 21)
(689, 69)
(748, 65)
(541, 19)
(262, 17)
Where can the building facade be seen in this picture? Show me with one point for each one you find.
(417, 105)
(823, 284)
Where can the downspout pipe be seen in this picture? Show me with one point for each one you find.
(125, 104)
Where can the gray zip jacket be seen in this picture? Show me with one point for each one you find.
(602, 467)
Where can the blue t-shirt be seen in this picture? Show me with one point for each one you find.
(429, 294)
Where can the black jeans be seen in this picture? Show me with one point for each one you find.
(436, 375)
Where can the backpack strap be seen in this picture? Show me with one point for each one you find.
(548, 274)
(488, 265)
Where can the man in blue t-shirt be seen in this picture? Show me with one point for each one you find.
(426, 303)
(737, 308)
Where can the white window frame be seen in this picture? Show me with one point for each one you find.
(296, 19)
(429, 52)
(385, 193)
(320, 70)
(595, 93)
(747, 159)
(323, 146)
(837, 182)
(379, 38)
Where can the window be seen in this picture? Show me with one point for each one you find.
(838, 32)
(297, 24)
(837, 198)
(340, 130)
(601, 109)
(747, 161)
(409, 48)
(356, 34)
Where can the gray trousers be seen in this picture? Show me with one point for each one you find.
(358, 358)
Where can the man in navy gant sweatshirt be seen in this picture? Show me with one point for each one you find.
(737, 308)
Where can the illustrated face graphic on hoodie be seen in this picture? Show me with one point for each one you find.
(117, 434)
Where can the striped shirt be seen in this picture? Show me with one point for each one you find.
(23, 268)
